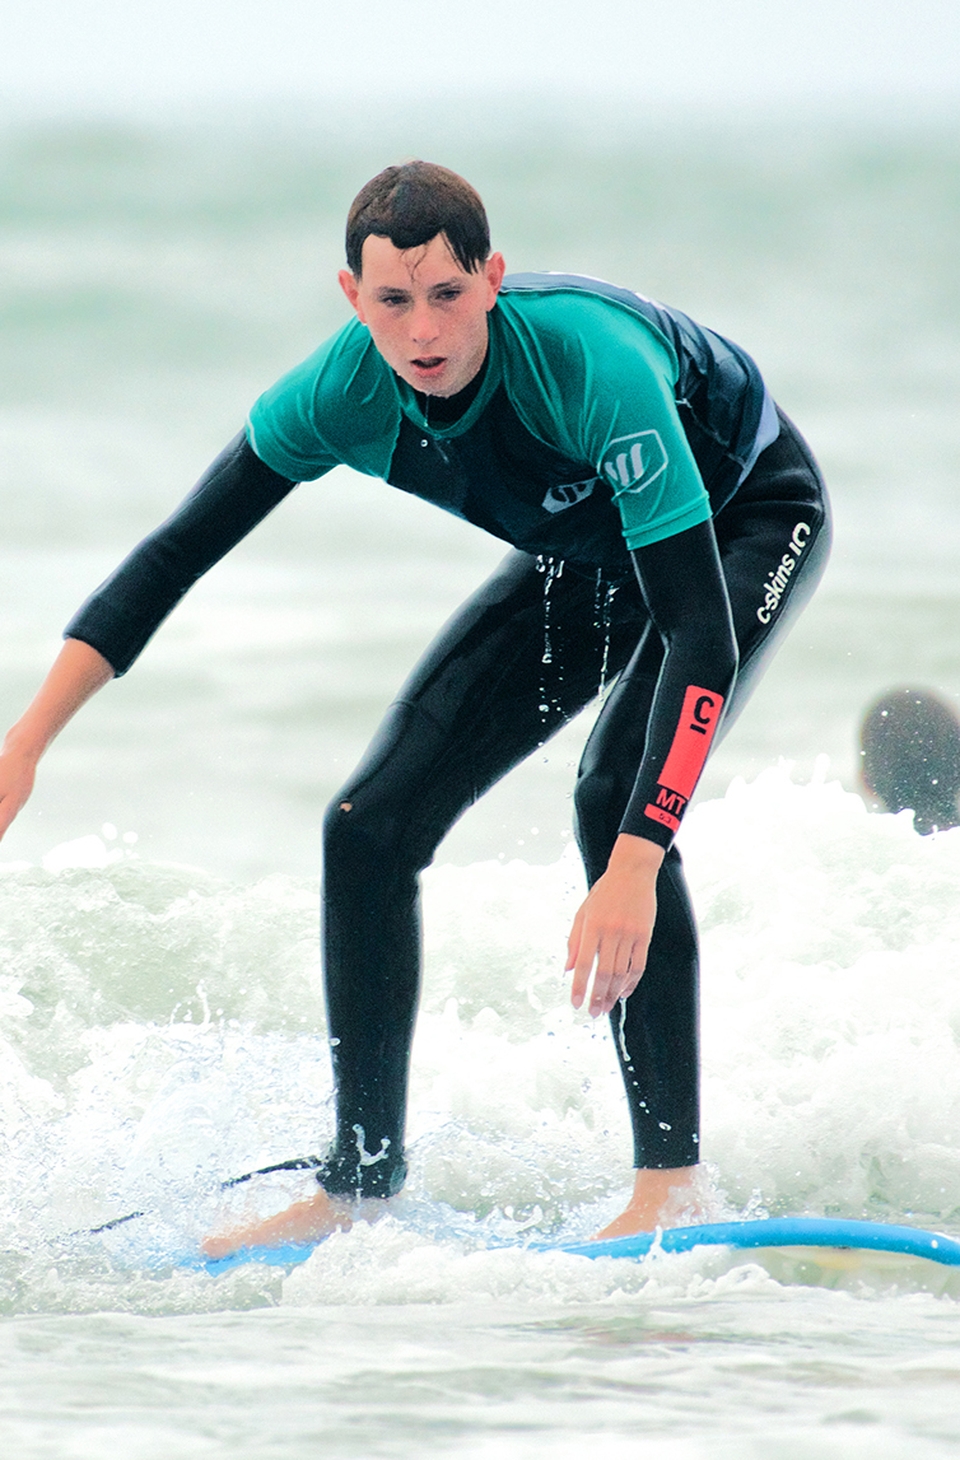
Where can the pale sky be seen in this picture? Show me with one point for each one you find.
(111, 56)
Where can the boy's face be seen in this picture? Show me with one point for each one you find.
(427, 316)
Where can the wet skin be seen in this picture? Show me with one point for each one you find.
(426, 315)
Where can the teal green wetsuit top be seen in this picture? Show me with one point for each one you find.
(602, 421)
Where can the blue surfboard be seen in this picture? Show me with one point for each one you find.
(781, 1232)
(770, 1232)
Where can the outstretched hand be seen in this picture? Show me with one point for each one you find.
(78, 672)
(611, 932)
(17, 774)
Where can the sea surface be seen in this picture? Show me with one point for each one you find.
(161, 1019)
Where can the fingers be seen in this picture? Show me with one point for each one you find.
(581, 971)
(614, 975)
(586, 948)
(573, 942)
(611, 933)
(12, 800)
(616, 961)
(8, 810)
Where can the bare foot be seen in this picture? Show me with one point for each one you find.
(660, 1199)
(305, 1221)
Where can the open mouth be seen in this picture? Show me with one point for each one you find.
(429, 362)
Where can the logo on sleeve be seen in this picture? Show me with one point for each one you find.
(698, 720)
(635, 461)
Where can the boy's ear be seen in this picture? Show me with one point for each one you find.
(351, 287)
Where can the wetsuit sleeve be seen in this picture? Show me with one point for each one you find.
(231, 497)
(599, 382)
(338, 407)
(683, 586)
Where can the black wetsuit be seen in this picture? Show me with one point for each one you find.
(683, 624)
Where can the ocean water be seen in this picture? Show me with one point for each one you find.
(147, 1054)
(160, 1005)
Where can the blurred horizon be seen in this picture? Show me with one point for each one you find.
(123, 56)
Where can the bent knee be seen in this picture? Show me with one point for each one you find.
(354, 824)
(379, 832)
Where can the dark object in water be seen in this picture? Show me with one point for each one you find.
(910, 757)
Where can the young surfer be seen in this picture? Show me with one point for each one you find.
(666, 522)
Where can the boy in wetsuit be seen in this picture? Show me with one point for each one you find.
(667, 523)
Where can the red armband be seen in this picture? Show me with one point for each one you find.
(691, 742)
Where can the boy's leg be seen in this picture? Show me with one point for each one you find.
(480, 701)
(656, 1030)
(778, 517)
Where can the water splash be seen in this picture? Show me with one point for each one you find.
(552, 570)
(831, 1037)
(602, 618)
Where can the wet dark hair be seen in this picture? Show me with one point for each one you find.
(412, 203)
(910, 757)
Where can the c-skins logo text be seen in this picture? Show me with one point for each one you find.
(778, 578)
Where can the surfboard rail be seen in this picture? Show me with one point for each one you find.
(776, 1232)
(766, 1232)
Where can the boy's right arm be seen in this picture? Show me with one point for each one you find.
(231, 497)
(77, 673)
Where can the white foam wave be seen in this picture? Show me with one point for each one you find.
(163, 1030)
